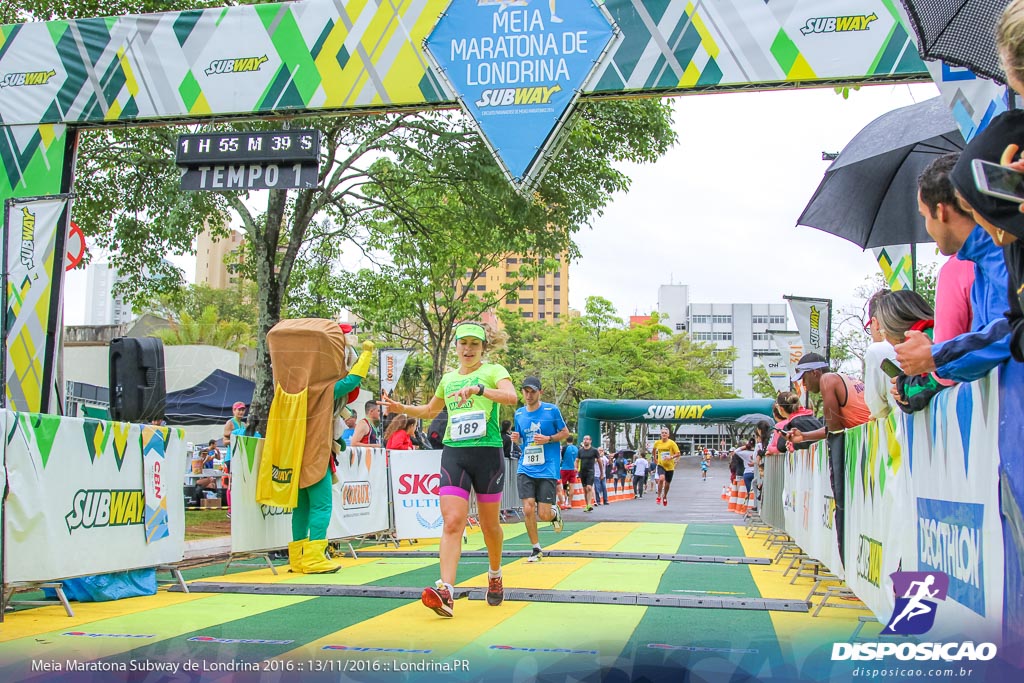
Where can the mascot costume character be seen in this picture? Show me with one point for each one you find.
(314, 380)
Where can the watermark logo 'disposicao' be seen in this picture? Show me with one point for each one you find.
(914, 613)
(14, 80)
(235, 66)
(838, 24)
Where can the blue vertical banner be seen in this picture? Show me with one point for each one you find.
(517, 67)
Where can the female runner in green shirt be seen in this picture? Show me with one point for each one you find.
(471, 459)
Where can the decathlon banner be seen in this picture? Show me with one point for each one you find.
(34, 232)
(897, 264)
(392, 363)
(809, 506)
(254, 526)
(955, 506)
(415, 478)
(777, 369)
(878, 493)
(814, 320)
(360, 497)
(517, 69)
(76, 500)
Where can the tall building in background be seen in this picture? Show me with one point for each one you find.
(212, 256)
(742, 326)
(102, 307)
(541, 298)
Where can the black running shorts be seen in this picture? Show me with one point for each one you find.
(481, 468)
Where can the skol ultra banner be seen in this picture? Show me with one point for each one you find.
(33, 272)
(415, 480)
(392, 363)
(814, 320)
(809, 505)
(897, 264)
(878, 491)
(360, 496)
(76, 502)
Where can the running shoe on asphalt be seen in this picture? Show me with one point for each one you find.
(589, 508)
(439, 599)
(657, 501)
(664, 502)
(495, 591)
(557, 523)
(536, 555)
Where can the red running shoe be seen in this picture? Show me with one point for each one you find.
(657, 501)
(439, 599)
(495, 592)
(664, 502)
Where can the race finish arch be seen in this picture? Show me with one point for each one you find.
(298, 58)
(593, 411)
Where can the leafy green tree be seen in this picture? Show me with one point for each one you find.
(763, 383)
(434, 252)
(209, 329)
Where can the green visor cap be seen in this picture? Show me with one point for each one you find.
(470, 330)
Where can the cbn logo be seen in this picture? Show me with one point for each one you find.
(95, 508)
(27, 78)
(838, 24)
(235, 66)
(504, 97)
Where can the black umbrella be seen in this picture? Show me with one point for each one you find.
(959, 32)
(869, 193)
(754, 418)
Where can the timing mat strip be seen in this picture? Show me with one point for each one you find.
(598, 554)
(514, 594)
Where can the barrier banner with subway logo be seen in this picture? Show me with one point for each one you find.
(76, 500)
(360, 499)
(254, 526)
(415, 481)
(33, 270)
(361, 494)
(954, 475)
(878, 491)
(808, 505)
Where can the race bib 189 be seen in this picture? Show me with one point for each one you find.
(472, 425)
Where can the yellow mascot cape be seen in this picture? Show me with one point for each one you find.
(308, 357)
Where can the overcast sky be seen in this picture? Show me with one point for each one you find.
(718, 212)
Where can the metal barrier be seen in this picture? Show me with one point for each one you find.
(772, 491)
(510, 503)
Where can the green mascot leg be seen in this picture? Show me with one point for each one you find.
(300, 517)
(319, 501)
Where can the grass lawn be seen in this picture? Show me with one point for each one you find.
(206, 524)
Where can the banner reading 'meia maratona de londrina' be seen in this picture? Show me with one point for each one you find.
(517, 69)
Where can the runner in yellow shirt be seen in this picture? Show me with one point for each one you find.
(665, 452)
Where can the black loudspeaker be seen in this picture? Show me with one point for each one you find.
(138, 389)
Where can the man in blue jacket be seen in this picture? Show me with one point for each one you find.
(972, 355)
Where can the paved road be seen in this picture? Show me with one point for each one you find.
(690, 500)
